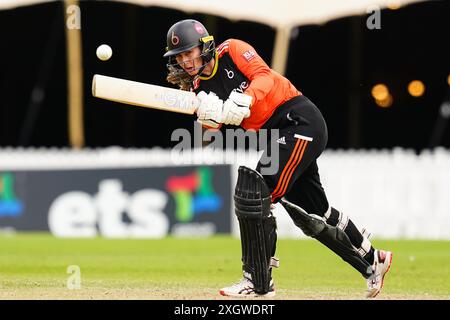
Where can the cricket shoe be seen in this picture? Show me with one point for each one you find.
(381, 264)
(245, 289)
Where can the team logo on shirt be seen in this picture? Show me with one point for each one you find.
(249, 55)
(230, 73)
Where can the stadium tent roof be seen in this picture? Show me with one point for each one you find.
(276, 13)
(10, 4)
(279, 14)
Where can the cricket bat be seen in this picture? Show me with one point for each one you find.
(144, 95)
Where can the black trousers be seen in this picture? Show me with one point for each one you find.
(303, 136)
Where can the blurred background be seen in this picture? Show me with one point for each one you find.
(378, 70)
(336, 64)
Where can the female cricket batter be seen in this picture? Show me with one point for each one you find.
(235, 86)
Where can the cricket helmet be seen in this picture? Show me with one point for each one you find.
(186, 35)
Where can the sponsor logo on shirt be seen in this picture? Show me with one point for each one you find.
(249, 55)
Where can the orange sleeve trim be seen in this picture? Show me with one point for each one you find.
(223, 48)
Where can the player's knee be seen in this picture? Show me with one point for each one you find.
(310, 224)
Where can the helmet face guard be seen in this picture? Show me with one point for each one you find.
(206, 55)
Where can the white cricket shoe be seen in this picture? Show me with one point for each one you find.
(381, 264)
(245, 288)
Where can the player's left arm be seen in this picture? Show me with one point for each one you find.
(237, 106)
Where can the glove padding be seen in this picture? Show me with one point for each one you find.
(210, 109)
(236, 108)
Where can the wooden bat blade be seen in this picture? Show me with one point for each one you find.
(144, 95)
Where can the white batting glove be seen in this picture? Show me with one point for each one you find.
(236, 108)
(210, 108)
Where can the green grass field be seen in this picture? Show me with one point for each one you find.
(34, 266)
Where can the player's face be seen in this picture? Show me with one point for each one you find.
(190, 60)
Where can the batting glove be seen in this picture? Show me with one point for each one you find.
(209, 111)
(236, 108)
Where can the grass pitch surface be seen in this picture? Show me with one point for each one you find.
(34, 266)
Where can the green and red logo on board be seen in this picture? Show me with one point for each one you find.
(194, 194)
(10, 206)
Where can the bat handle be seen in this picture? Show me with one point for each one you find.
(209, 123)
